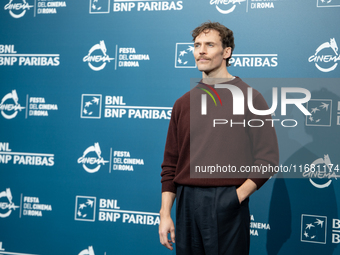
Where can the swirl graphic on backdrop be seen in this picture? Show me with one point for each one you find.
(226, 4)
(10, 107)
(322, 170)
(317, 57)
(326, 160)
(97, 58)
(92, 160)
(7, 206)
(88, 251)
(17, 7)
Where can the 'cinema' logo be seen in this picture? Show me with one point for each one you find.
(326, 56)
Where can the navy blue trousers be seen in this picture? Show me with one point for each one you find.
(211, 221)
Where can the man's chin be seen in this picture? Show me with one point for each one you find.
(202, 68)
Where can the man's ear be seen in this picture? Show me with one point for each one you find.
(226, 52)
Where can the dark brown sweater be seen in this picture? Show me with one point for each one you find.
(191, 147)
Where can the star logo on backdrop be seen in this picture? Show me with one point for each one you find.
(84, 205)
(327, 2)
(88, 104)
(320, 110)
(184, 55)
(85, 208)
(313, 228)
(99, 6)
(91, 106)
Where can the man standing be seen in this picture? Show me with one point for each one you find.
(212, 214)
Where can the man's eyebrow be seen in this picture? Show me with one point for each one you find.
(205, 42)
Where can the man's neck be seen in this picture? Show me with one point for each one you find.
(219, 73)
(216, 77)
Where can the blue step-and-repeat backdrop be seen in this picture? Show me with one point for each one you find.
(87, 89)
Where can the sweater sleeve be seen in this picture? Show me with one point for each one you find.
(170, 155)
(265, 148)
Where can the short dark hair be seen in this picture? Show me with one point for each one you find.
(227, 36)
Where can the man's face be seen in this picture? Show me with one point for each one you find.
(209, 54)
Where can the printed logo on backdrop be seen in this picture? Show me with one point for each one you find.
(88, 251)
(97, 57)
(49, 6)
(184, 57)
(29, 206)
(109, 211)
(115, 107)
(229, 6)
(226, 6)
(3, 251)
(91, 106)
(10, 105)
(35, 106)
(18, 8)
(254, 60)
(262, 4)
(10, 57)
(7, 156)
(6, 203)
(255, 227)
(85, 208)
(103, 6)
(146, 6)
(328, 3)
(92, 160)
(322, 172)
(33, 207)
(321, 113)
(99, 6)
(326, 56)
(39, 107)
(313, 228)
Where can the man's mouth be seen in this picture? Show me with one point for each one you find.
(203, 59)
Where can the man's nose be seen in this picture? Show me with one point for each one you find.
(203, 50)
